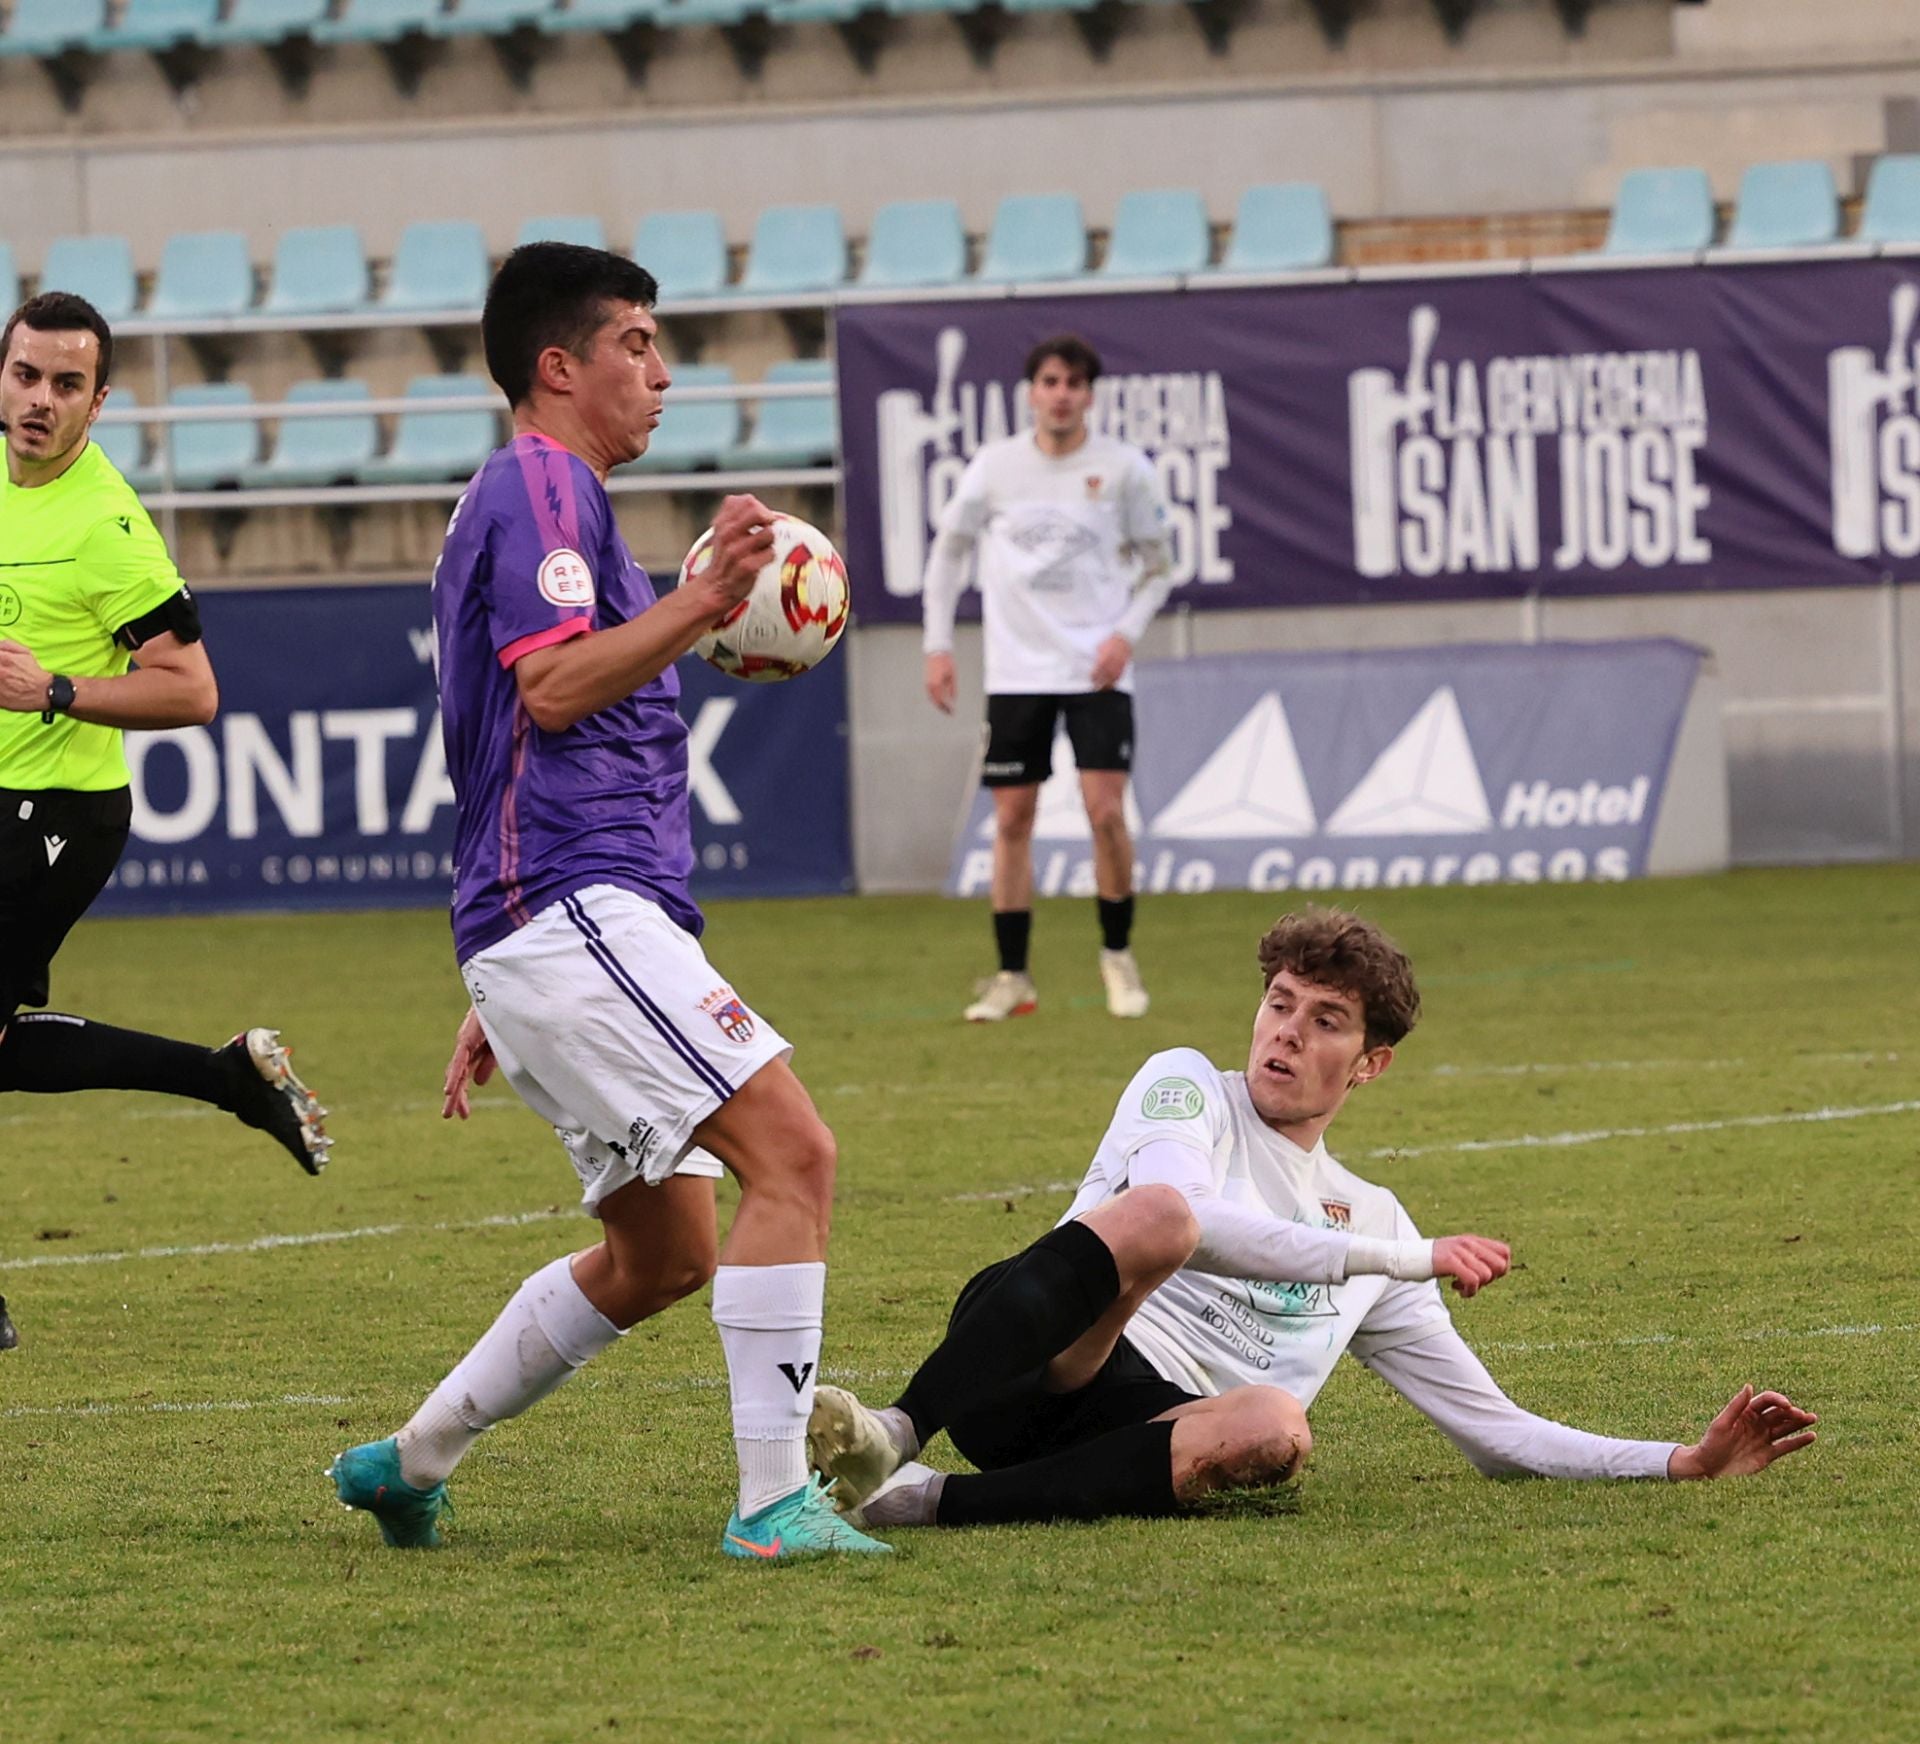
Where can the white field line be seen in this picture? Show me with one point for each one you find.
(267, 1243)
(1533, 1141)
(161, 1407)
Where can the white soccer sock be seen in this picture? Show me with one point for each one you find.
(769, 1319)
(547, 1331)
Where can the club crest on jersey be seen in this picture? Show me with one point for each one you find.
(1094, 482)
(1338, 1216)
(566, 579)
(1172, 1099)
(724, 1007)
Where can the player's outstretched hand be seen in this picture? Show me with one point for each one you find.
(1748, 1436)
(942, 686)
(472, 1060)
(1471, 1261)
(23, 680)
(742, 547)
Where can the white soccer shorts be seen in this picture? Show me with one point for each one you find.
(611, 1024)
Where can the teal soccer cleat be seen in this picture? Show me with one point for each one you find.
(369, 1477)
(800, 1524)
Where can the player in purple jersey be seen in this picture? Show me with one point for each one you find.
(576, 935)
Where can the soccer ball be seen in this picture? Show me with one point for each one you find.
(790, 621)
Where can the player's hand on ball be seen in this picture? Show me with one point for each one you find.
(472, 1059)
(742, 545)
(23, 680)
(1752, 1432)
(1471, 1261)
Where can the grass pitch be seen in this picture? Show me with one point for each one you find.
(172, 1565)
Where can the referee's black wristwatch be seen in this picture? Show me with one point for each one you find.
(59, 698)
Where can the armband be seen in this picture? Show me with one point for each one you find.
(1406, 1261)
(179, 615)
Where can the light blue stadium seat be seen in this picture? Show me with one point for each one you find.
(1792, 204)
(268, 21)
(159, 24)
(915, 242)
(318, 269)
(1050, 5)
(685, 251)
(218, 452)
(1035, 236)
(1157, 232)
(603, 15)
(438, 265)
(795, 249)
(99, 268)
(377, 20)
(1662, 212)
(716, 12)
(816, 11)
(431, 446)
(693, 434)
(46, 27)
(905, 8)
(204, 273)
(1892, 209)
(1280, 227)
(9, 279)
(126, 444)
(489, 17)
(319, 451)
(582, 229)
(797, 432)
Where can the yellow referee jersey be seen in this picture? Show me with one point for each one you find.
(79, 558)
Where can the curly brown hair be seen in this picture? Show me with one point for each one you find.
(1334, 949)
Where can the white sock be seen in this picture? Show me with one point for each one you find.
(547, 1331)
(769, 1319)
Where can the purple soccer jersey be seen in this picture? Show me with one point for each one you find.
(532, 557)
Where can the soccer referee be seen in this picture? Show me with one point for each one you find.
(85, 585)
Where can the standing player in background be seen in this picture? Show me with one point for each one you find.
(1066, 534)
(85, 585)
(576, 935)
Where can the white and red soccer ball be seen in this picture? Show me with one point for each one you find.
(795, 614)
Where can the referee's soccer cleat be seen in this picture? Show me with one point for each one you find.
(268, 1095)
(369, 1477)
(8, 1337)
(850, 1444)
(1126, 992)
(801, 1523)
(1008, 994)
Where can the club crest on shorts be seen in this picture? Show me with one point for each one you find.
(724, 1007)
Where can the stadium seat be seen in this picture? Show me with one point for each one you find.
(1892, 209)
(716, 12)
(915, 242)
(1159, 232)
(318, 270)
(697, 433)
(489, 17)
(160, 24)
(1280, 227)
(796, 432)
(1035, 236)
(604, 15)
(1793, 204)
(126, 444)
(795, 249)
(99, 268)
(582, 229)
(432, 446)
(267, 21)
(49, 27)
(378, 20)
(9, 278)
(816, 11)
(1662, 212)
(218, 452)
(319, 451)
(202, 274)
(439, 265)
(685, 251)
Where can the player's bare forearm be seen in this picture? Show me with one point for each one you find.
(566, 683)
(173, 686)
(1752, 1432)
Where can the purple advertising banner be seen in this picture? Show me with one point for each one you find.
(1574, 432)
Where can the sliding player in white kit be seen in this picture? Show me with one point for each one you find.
(1166, 1339)
(1066, 532)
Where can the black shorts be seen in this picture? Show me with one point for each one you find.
(1020, 735)
(57, 851)
(1024, 1421)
